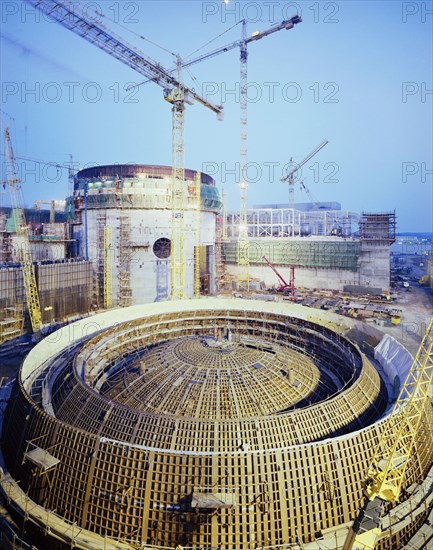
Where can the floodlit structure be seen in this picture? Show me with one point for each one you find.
(330, 248)
(212, 423)
(121, 218)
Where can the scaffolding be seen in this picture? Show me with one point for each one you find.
(377, 227)
(197, 235)
(327, 252)
(222, 276)
(108, 266)
(125, 290)
(11, 322)
(104, 262)
(289, 222)
(5, 240)
(100, 261)
(162, 273)
(64, 287)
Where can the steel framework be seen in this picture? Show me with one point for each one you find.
(108, 273)
(393, 453)
(198, 238)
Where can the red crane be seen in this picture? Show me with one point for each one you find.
(288, 288)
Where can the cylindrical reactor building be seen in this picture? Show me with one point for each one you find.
(122, 222)
(209, 424)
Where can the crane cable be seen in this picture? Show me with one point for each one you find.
(213, 40)
(136, 34)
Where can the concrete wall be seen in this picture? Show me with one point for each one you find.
(304, 277)
(150, 276)
(374, 265)
(65, 288)
(371, 263)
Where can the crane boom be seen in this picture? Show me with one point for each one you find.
(287, 24)
(25, 254)
(394, 450)
(106, 40)
(284, 284)
(310, 195)
(290, 175)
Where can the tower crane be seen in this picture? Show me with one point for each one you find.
(391, 457)
(175, 92)
(290, 176)
(25, 254)
(242, 244)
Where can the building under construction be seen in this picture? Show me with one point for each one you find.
(330, 248)
(121, 221)
(216, 423)
(65, 286)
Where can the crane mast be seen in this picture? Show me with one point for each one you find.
(290, 176)
(178, 192)
(394, 450)
(175, 92)
(243, 260)
(25, 254)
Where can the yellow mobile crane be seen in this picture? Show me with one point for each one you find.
(25, 255)
(393, 452)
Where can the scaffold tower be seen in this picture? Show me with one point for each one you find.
(198, 237)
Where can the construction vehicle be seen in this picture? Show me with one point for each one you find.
(175, 92)
(289, 177)
(423, 280)
(287, 288)
(383, 482)
(22, 232)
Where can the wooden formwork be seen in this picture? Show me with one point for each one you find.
(216, 428)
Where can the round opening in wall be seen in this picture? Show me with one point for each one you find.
(162, 248)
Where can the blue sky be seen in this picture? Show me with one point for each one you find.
(358, 73)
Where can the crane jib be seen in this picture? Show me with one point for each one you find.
(107, 41)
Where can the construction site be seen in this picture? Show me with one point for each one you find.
(192, 378)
